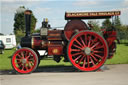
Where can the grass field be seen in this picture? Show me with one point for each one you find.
(121, 57)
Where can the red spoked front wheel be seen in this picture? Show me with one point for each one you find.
(24, 60)
(87, 51)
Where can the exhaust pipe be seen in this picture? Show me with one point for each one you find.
(27, 14)
(26, 40)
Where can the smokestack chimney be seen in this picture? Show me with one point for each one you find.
(27, 14)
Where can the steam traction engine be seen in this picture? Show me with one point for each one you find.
(85, 49)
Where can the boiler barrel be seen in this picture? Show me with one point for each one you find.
(34, 43)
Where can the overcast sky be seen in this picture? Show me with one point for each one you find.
(54, 10)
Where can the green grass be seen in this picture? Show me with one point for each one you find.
(5, 59)
(121, 57)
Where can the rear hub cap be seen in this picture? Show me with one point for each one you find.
(87, 50)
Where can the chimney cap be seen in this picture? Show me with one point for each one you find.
(28, 12)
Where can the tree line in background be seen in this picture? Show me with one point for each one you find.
(19, 25)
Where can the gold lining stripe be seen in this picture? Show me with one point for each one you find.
(32, 42)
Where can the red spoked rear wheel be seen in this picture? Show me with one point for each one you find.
(87, 51)
(24, 60)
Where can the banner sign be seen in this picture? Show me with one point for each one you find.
(91, 14)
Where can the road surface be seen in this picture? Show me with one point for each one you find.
(111, 75)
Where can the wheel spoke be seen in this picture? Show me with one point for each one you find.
(86, 39)
(29, 65)
(92, 61)
(29, 54)
(22, 67)
(18, 63)
(26, 54)
(75, 50)
(77, 58)
(99, 47)
(98, 51)
(94, 41)
(79, 43)
(83, 42)
(26, 66)
(84, 62)
(75, 54)
(88, 61)
(94, 58)
(95, 45)
(89, 42)
(76, 46)
(98, 56)
(81, 60)
(30, 59)
(22, 55)
(18, 59)
(19, 56)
